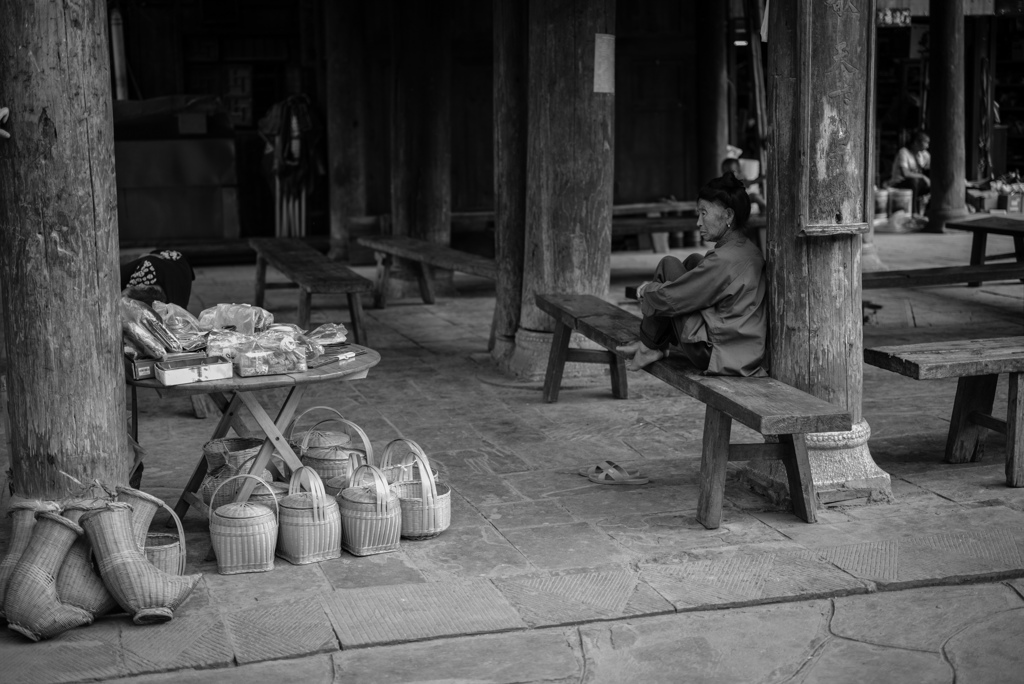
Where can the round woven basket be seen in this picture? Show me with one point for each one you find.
(426, 504)
(244, 535)
(309, 521)
(231, 451)
(396, 465)
(163, 550)
(331, 454)
(371, 516)
(275, 491)
(214, 479)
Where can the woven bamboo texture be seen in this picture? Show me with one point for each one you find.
(426, 504)
(394, 462)
(275, 491)
(144, 507)
(78, 582)
(371, 517)
(244, 535)
(23, 519)
(213, 481)
(332, 454)
(147, 593)
(31, 604)
(309, 521)
(231, 451)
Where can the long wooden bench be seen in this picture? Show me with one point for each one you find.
(946, 275)
(313, 273)
(425, 254)
(977, 365)
(764, 404)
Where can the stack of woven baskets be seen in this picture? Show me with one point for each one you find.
(225, 458)
(72, 561)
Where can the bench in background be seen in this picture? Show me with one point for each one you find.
(977, 365)
(766, 405)
(946, 275)
(313, 273)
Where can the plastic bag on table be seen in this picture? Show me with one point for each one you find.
(143, 315)
(272, 352)
(329, 333)
(143, 339)
(227, 343)
(312, 347)
(243, 318)
(131, 350)
(182, 324)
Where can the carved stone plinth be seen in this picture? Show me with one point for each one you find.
(841, 465)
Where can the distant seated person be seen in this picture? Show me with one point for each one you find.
(912, 165)
(160, 276)
(732, 165)
(710, 308)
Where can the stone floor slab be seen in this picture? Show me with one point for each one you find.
(740, 579)
(557, 547)
(349, 572)
(318, 669)
(84, 653)
(535, 656)
(559, 598)
(527, 514)
(198, 640)
(283, 630)
(851, 662)
(283, 582)
(411, 612)
(609, 501)
(989, 650)
(462, 553)
(661, 534)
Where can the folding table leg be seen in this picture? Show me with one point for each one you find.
(1015, 434)
(274, 435)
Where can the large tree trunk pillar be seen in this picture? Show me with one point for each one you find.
(946, 113)
(570, 164)
(713, 85)
(59, 249)
(421, 133)
(510, 100)
(819, 151)
(346, 119)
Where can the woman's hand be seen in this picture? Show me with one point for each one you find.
(640, 290)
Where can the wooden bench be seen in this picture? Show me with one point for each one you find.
(946, 275)
(425, 254)
(764, 404)
(977, 365)
(313, 273)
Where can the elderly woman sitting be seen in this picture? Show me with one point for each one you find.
(711, 308)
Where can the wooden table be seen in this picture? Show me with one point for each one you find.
(977, 365)
(231, 394)
(992, 224)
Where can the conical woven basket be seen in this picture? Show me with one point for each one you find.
(426, 504)
(330, 454)
(32, 605)
(371, 517)
(309, 521)
(150, 595)
(394, 464)
(78, 582)
(244, 535)
(23, 519)
(144, 507)
(231, 451)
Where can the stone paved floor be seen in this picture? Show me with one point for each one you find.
(545, 576)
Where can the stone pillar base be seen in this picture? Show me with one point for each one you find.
(841, 466)
(526, 357)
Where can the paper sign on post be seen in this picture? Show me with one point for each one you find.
(604, 63)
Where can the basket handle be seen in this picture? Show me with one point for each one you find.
(378, 482)
(295, 421)
(315, 486)
(181, 537)
(428, 486)
(305, 437)
(359, 431)
(235, 477)
(386, 457)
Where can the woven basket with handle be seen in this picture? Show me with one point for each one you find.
(394, 462)
(231, 451)
(309, 521)
(330, 453)
(213, 481)
(371, 517)
(244, 535)
(426, 504)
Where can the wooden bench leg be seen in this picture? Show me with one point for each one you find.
(426, 282)
(261, 279)
(556, 362)
(305, 303)
(1018, 249)
(620, 385)
(714, 462)
(355, 309)
(966, 440)
(384, 262)
(1015, 434)
(801, 481)
(978, 245)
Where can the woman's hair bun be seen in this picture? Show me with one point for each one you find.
(732, 182)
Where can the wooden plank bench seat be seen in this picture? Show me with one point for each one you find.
(977, 365)
(946, 275)
(766, 405)
(313, 273)
(425, 254)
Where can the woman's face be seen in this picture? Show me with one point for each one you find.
(714, 220)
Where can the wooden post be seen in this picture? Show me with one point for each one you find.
(510, 98)
(59, 270)
(712, 19)
(946, 113)
(346, 119)
(820, 156)
(421, 129)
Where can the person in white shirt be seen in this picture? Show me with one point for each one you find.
(911, 166)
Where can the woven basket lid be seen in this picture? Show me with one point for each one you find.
(366, 494)
(303, 500)
(279, 488)
(242, 511)
(321, 438)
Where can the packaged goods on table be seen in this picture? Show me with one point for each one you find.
(227, 343)
(143, 327)
(329, 333)
(182, 324)
(270, 353)
(243, 318)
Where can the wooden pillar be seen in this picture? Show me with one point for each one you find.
(712, 20)
(346, 118)
(946, 113)
(421, 127)
(820, 155)
(59, 270)
(510, 102)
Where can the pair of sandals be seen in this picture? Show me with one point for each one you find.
(611, 473)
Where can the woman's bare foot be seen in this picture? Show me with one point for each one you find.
(631, 348)
(643, 357)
